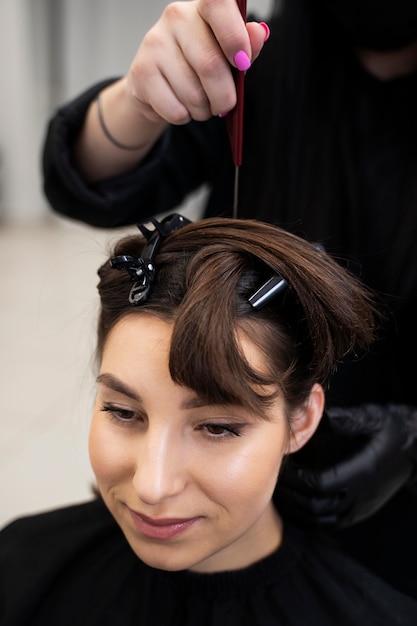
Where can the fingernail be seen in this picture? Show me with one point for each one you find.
(266, 29)
(223, 114)
(242, 61)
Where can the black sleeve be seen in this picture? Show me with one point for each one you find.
(184, 158)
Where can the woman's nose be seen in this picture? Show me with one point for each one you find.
(160, 471)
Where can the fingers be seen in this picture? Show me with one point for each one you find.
(258, 34)
(182, 70)
(227, 25)
(164, 84)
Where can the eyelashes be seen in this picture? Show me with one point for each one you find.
(120, 415)
(212, 430)
(222, 431)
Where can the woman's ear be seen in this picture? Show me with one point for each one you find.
(307, 419)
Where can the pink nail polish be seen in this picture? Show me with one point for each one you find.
(223, 114)
(266, 29)
(242, 61)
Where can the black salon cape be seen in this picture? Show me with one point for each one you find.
(73, 567)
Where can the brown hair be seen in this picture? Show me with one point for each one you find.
(205, 273)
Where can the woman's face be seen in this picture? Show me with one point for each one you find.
(190, 484)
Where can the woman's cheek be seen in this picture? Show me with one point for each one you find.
(104, 450)
(254, 469)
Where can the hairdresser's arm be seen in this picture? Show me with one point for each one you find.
(89, 179)
(183, 158)
(181, 72)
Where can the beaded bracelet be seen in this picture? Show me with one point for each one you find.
(106, 131)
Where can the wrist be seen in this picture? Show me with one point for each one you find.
(115, 142)
(98, 156)
(125, 120)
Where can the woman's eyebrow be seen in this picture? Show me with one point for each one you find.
(115, 384)
(111, 382)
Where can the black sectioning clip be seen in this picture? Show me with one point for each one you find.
(142, 269)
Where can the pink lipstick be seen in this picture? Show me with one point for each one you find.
(162, 529)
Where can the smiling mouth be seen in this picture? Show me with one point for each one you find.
(161, 529)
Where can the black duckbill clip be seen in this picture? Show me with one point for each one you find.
(142, 269)
(262, 296)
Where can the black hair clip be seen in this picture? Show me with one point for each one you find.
(267, 291)
(272, 287)
(142, 269)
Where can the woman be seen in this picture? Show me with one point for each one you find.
(216, 341)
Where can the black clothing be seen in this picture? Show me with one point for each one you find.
(381, 25)
(74, 566)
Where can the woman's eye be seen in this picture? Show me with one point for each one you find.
(221, 431)
(121, 415)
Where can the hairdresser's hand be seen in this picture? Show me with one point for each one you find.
(182, 71)
(355, 463)
(182, 68)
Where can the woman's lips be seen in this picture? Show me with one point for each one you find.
(161, 529)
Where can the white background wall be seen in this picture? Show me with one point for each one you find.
(50, 50)
(23, 102)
